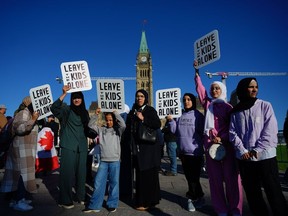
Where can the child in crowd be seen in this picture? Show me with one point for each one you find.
(109, 168)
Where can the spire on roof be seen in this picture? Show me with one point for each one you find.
(143, 44)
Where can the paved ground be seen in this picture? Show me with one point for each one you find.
(173, 201)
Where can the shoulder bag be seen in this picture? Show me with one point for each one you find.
(217, 151)
(146, 133)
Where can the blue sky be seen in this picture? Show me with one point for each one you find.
(37, 36)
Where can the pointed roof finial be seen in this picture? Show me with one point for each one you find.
(143, 24)
(143, 44)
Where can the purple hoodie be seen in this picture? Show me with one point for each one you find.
(255, 128)
(189, 131)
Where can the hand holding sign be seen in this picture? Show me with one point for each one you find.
(76, 75)
(110, 93)
(168, 102)
(207, 49)
(42, 100)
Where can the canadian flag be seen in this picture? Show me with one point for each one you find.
(46, 155)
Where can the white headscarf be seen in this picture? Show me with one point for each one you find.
(209, 119)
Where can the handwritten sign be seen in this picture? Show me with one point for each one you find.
(207, 49)
(168, 102)
(110, 94)
(42, 100)
(76, 75)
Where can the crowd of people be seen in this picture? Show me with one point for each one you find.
(246, 135)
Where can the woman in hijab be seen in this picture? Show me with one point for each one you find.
(226, 199)
(74, 121)
(19, 174)
(253, 131)
(146, 155)
(189, 132)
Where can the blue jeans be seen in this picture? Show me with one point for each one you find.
(172, 153)
(106, 171)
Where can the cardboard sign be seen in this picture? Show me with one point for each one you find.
(42, 100)
(207, 49)
(110, 94)
(168, 102)
(76, 75)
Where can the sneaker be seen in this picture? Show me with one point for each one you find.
(112, 209)
(13, 202)
(21, 205)
(199, 203)
(27, 201)
(68, 206)
(88, 210)
(81, 202)
(169, 173)
(190, 206)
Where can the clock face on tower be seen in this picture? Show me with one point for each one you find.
(143, 58)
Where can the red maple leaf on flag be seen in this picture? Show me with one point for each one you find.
(47, 141)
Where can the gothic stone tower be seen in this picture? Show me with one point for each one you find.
(144, 69)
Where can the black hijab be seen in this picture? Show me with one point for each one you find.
(80, 110)
(193, 99)
(246, 102)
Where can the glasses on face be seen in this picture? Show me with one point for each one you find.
(140, 96)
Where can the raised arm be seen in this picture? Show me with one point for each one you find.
(200, 89)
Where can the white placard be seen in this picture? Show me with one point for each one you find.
(76, 75)
(168, 102)
(42, 100)
(207, 49)
(110, 94)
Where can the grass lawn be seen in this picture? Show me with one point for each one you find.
(282, 157)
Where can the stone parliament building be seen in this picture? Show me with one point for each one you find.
(144, 76)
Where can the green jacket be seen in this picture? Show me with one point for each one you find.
(72, 135)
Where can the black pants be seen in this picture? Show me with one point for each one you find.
(258, 174)
(192, 170)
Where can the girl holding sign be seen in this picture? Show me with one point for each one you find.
(189, 131)
(109, 168)
(226, 199)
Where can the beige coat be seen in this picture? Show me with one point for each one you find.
(21, 155)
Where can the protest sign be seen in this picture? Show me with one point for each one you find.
(207, 49)
(110, 94)
(76, 75)
(42, 100)
(168, 102)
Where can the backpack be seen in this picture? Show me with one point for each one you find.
(6, 136)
